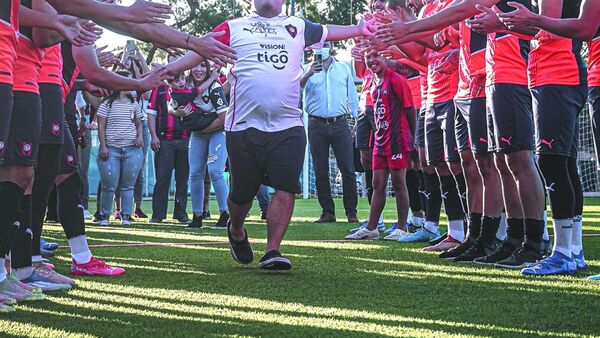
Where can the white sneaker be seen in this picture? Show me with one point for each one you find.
(364, 234)
(125, 222)
(86, 215)
(104, 222)
(396, 235)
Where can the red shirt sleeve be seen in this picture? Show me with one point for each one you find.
(225, 38)
(402, 90)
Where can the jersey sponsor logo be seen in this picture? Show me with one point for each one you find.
(26, 148)
(261, 28)
(292, 30)
(277, 60)
(55, 128)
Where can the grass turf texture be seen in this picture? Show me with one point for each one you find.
(335, 288)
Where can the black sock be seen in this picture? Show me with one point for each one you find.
(452, 203)
(534, 233)
(48, 158)
(412, 184)
(489, 228)
(422, 188)
(515, 228)
(461, 186)
(434, 198)
(10, 198)
(52, 212)
(558, 186)
(70, 208)
(369, 182)
(576, 183)
(21, 249)
(474, 225)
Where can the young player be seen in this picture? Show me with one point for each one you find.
(395, 117)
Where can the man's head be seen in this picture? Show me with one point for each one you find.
(326, 51)
(400, 7)
(376, 63)
(377, 5)
(268, 8)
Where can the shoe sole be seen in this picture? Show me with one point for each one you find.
(218, 228)
(484, 263)
(276, 264)
(362, 239)
(512, 267)
(81, 273)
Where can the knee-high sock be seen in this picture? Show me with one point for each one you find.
(10, 199)
(21, 249)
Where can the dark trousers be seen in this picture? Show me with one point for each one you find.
(322, 135)
(173, 154)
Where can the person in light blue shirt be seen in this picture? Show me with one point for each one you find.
(329, 98)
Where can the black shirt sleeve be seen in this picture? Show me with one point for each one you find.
(313, 33)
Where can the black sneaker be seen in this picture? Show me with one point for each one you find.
(222, 222)
(196, 223)
(521, 258)
(457, 251)
(476, 251)
(273, 260)
(139, 214)
(206, 215)
(241, 251)
(439, 239)
(263, 215)
(500, 253)
(183, 220)
(97, 217)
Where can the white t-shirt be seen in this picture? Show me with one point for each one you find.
(265, 79)
(120, 122)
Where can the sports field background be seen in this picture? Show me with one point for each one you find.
(336, 288)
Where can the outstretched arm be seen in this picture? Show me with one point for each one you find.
(103, 10)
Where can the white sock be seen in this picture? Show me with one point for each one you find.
(563, 233)
(501, 234)
(456, 230)
(431, 226)
(418, 221)
(3, 272)
(37, 259)
(409, 216)
(79, 249)
(577, 235)
(23, 272)
(546, 235)
(380, 219)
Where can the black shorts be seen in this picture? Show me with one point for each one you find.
(440, 138)
(512, 117)
(6, 110)
(594, 101)
(24, 137)
(69, 162)
(556, 111)
(271, 158)
(472, 125)
(53, 114)
(365, 129)
(420, 138)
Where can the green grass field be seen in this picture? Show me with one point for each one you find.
(336, 288)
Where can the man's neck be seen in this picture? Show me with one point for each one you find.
(327, 63)
(268, 13)
(380, 75)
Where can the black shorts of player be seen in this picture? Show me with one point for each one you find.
(365, 129)
(6, 110)
(472, 125)
(440, 138)
(53, 114)
(556, 111)
(594, 100)
(420, 137)
(271, 158)
(69, 162)
(23, 142)
(512, 117)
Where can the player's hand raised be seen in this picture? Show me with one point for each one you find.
(70, 28)
(148, 12)
(520, 18)
(152, 79)
(486, 22)
(209, 48)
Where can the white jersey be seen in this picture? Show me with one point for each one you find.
(265, 79)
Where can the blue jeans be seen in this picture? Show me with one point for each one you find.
(121, 169)
(263, 197)
(208, 150)
(141, 179)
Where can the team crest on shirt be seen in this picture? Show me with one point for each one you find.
(70, 160)
(292, 30)
(26, 148)
(55, 128)
(2, 146)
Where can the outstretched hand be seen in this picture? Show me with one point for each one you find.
(71, 29)
(486, 22)
(209, 48)
(392, 32)
(520, 18)
(154, 78)
(149, 12)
